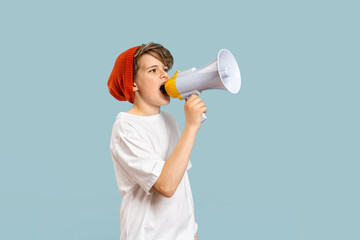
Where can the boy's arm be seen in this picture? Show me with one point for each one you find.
(175, 166)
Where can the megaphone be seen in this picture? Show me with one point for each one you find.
(222, 73)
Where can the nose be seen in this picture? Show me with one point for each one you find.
(165, 74)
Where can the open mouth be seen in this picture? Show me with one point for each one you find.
(162, 90)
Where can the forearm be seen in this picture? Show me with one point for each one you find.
(175, 166)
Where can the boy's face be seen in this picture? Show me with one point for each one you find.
(151, 74)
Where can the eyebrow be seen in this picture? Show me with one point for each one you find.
(154, 66)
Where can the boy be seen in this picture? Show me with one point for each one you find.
(150, 156)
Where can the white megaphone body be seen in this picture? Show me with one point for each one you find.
(222, 73)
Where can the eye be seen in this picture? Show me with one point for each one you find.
(152, 70)
(166, 70)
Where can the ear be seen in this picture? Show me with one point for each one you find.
(135, 88)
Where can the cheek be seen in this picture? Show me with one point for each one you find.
(149, 86)
(144, 82)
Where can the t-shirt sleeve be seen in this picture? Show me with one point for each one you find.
(196, 228)
(138, 159)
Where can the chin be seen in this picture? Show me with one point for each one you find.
(166, 102)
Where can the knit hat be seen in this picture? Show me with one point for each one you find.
(120, 82)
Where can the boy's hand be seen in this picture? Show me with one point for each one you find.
(194, 107)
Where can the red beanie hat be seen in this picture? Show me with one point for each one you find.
(120, 82)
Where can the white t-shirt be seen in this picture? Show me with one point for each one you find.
(140, 146)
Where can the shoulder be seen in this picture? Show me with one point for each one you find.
(123, 125)
(169, 117)
(171, 121)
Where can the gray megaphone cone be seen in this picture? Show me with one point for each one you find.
(222, 73)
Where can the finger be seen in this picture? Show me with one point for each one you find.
(204, 109)
(196, 101)
(199, 104)
(192, 97)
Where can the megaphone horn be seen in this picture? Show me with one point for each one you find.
(222, 73)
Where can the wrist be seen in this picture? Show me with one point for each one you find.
(191, 129)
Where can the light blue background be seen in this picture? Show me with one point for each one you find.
(279, 160)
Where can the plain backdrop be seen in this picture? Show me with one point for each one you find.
(277, 161)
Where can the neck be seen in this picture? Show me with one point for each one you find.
(141, 108)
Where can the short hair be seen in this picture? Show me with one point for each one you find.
(157, 51)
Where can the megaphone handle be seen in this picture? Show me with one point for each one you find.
(203, 115)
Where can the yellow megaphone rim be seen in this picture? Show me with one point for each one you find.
(170, 87)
